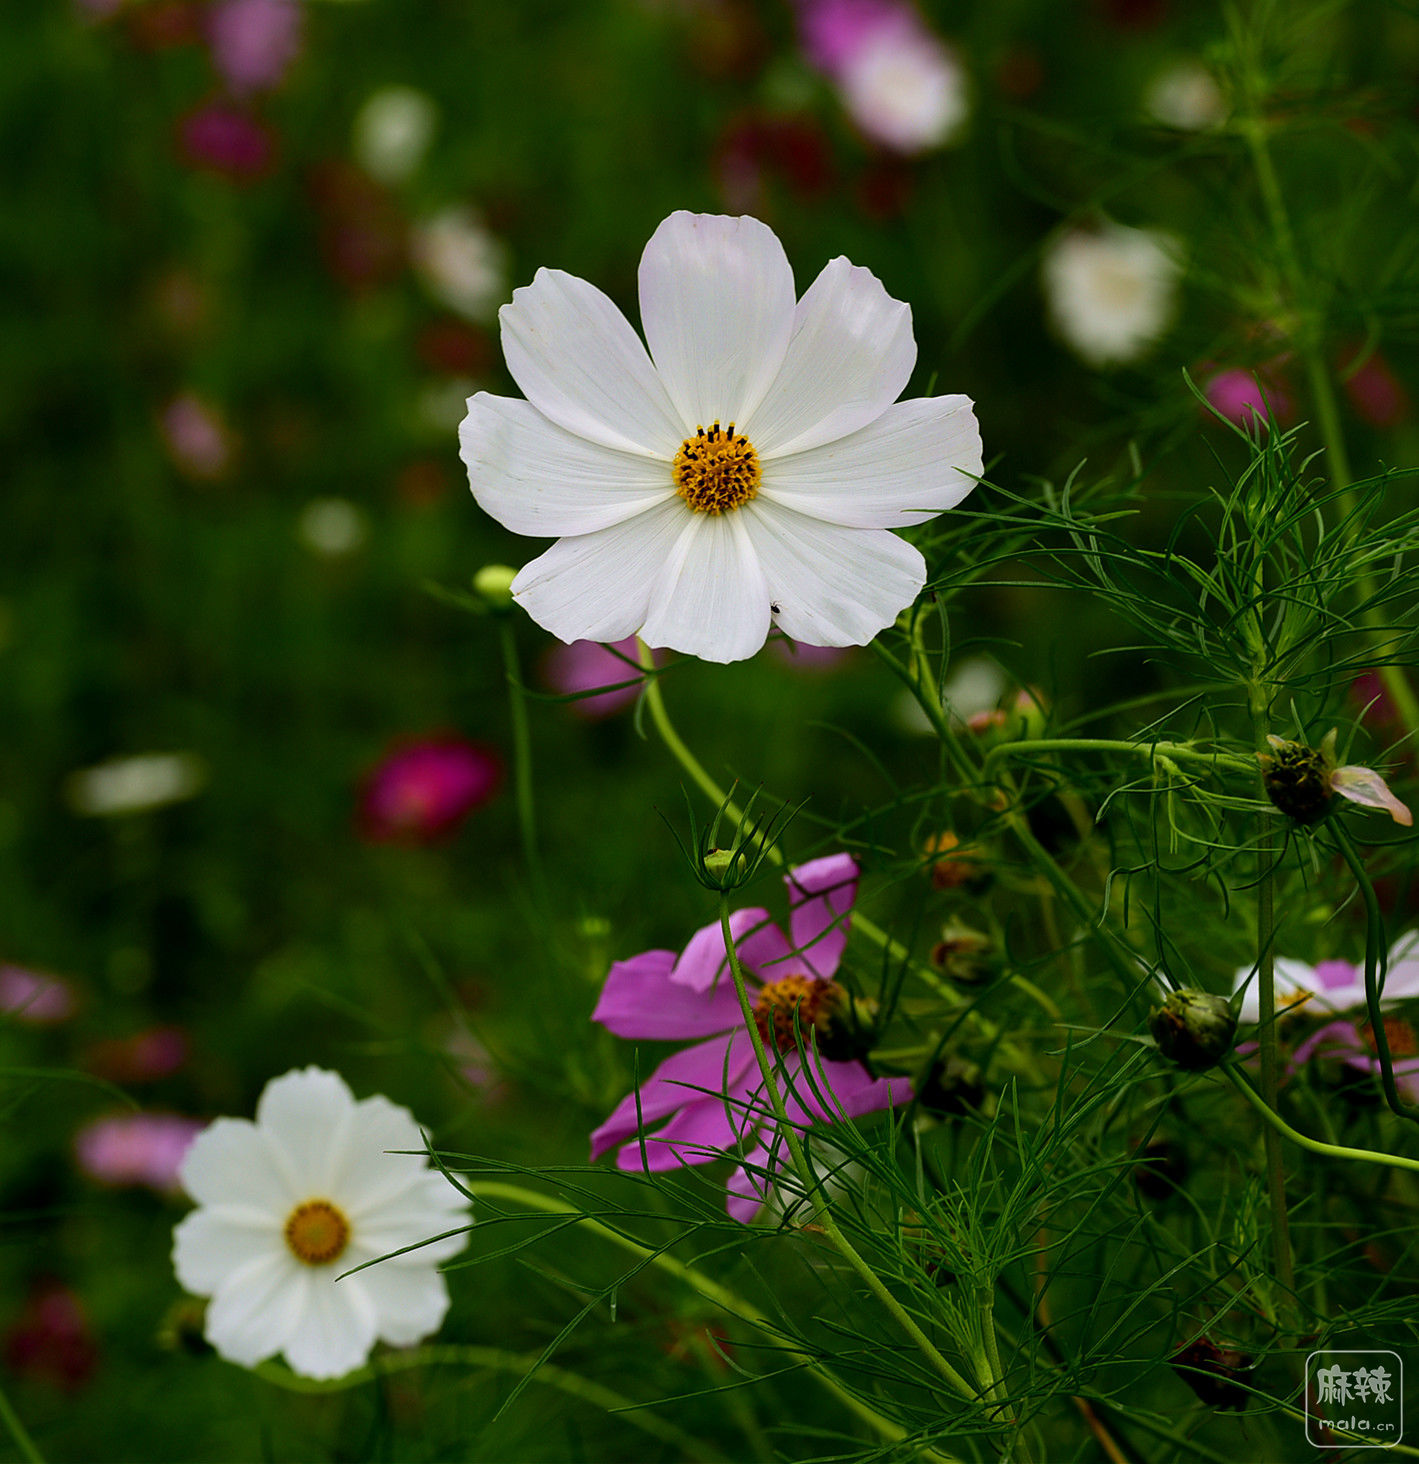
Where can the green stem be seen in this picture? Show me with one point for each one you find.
(1375, 962)
(23, 1442)
(1314, 1146)
(522, 758)
(789, 1131)
(1174, 751)
(722, 1297)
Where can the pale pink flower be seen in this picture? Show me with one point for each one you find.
(136, 1148)
(197, 437)
(34, 997)
(253, 42)
(583, 666)
(423, 790)
(709, 1099)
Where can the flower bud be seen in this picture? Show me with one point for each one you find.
(951, 867)
(844, 1025)
(963, 953)
(1297, 778)
(1216, 1374)
(1194, 1029)
(722, 865)
(493, 585)
(954, 1087)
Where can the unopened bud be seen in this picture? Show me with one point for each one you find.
(952, 867)
(723, 864)
(1194, 1029)
(963, 953)
(493, 585)
(1297, 778)
(1216, 1374)
(953, 1087)
(845, 1025)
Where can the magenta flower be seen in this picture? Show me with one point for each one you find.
(1376, 393)
(226, 140)
(51, 1340)
(710, 1098)
(35, 998)
(424, 790)
(1243, 397)
(253, 42)
(136, 1148)
(1346, 1042)
(585, 665)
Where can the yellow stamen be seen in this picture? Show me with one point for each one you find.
(317, 1232)
(715, 471)
(777, 1001)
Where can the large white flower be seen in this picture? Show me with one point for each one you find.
(747, 471)
(290, 1203)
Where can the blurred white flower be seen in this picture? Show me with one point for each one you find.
(905, 89)
(461, 264)
(976, 684)
(290, 1204)
(332, 527)
(747, 472)
(443, 404)
(132, 784)
(1185, 96)
(1111, 292)
(392, 132)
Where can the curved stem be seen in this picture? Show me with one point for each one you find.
(18, 1432)
(811, 1186)
(1175, 751)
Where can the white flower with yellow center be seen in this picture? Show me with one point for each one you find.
(747, 471)
(291, 1203)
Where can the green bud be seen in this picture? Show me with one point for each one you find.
(493, 585)
(1194, 1029)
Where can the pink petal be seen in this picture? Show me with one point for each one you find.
(757, 940)
(640, 1000)
(700, 1133)
(833, 1091)
(1365, 787)
(748, 1185)
(680, 1080)
(820, 898)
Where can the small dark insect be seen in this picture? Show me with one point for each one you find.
(773, 606)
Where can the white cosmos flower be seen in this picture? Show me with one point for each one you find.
(1111, 292)
(290, 1203)
(905, 89)
(747, 471)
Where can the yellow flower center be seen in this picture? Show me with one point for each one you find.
(778, 1001)
(317, 1232)
(715, 470)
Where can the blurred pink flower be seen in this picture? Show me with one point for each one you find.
(834, 31)
(34, 997)
(253, 42)
(1243, 397)
(423, 790)
(585, 665)
(51, 1339)
(1375, 392)
(805, 657)
(1349, 1043)
(758, 150)
(228, 141)
(136, 1148)
(196, 437)
(144, 1057)
(711, 1095)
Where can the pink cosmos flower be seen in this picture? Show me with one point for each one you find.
(585, 665)
(1376, 393)
(197, 438)
(424, 790)
(1345, 1041)
(1242, 397)
(136, 1148)
(709, 1098)
(35, 998)
(226, 140)
(254, 42)
(156, 1052)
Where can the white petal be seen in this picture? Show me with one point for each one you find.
(578, 362)
(308, 1114)
(710, 599)
(917, 458)
(368, 1174)
(833, 586)
(597, 586)
(717, 309)
(232, 1162)
(537, 478)
(409, 1305)
(429, 1208)
(213, 1243)
(257, 1309)
(336, 1328)
(848, 360)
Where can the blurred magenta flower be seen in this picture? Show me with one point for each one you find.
(196, 437)
(226, 140)
(423, 790)
(51, 1340)
(361, 230)
(1375, 392)
(585, 665)
(711, 1095)
(253, 42)
(34, 997)
(1243, 397)
(758, 150)
(144, 1057)
(136, 1148)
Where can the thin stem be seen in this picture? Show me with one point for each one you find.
(812, 1188)
(1313, 1146)
(1172, 751)
(726, 1300)
(18, 1432)
(522, 758)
